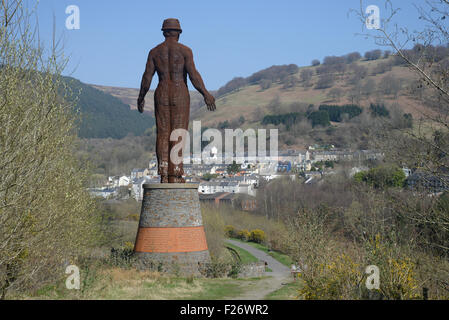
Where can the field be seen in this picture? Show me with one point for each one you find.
(118, 284)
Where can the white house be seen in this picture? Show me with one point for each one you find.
(124, 181)
(216, 186)
(103, 192)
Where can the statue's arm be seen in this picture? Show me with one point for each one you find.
(146, 82)
(197, 81)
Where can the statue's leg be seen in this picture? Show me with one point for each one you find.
(179, 120)
(162, 114)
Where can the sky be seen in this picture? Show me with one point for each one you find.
(232, 38)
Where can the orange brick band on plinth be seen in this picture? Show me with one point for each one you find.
(165, 239)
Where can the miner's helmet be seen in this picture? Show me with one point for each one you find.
(171, 24)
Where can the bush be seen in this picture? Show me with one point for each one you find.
(257, 236)
(214, 228)
(244, 235)
(230, 231)
(220, 269)
(398, 278)
(339, 278)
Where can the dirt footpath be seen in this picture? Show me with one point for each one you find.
(257, 290)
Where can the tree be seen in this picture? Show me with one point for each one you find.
(265, 84)
(287, 119)
(315, 62)
(289, 82)
(379, 110)
(381, 67)
(234, 168)
(357, 73)
(232, 85)
(336, 112)
(390, 85)
(373, 54)
(382, 177)
(319, 118)
(306, 76)
(325, 81)
(352, 57)
(333, 64)
(47, 216)
(273, 73)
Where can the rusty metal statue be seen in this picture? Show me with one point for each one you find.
(172, 61)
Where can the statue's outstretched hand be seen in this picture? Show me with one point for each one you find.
(140, 105)
(210, 102)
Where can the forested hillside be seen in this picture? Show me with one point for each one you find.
(105, 116)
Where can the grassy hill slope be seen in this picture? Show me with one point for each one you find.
(244, 102)
(252, 102)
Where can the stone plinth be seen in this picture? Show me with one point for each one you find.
(171, 234)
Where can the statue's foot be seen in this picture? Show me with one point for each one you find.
(164, 179)
(175, 179)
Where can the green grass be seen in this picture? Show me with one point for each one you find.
(245, 256)
(279, 256)
(287, 292)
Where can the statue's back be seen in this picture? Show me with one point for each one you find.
(169, 62)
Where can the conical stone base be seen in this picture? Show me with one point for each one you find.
(171, 234)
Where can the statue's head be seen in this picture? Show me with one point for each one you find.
(171, 28)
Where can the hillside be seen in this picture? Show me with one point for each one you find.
(285, 91)
(129, 97)
(105, 116)
(252, 102)
(378, 78)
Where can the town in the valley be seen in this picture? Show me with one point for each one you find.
(237, 183)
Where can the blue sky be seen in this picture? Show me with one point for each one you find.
(228, 38)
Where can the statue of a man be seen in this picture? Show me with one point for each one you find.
(172, 61)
